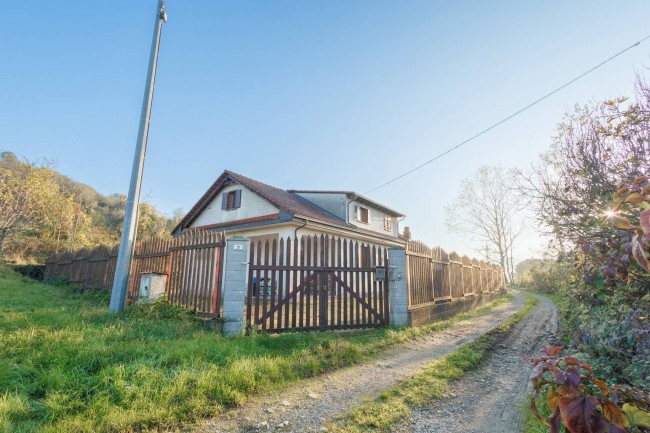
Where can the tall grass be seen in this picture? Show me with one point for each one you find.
(68, 366)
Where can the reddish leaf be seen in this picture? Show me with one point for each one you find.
(639, 253)
(556, 421)
(560, 376)
(578, 414)
(635, 197)
(533, 408)
(639, 180)
(604, 389)
(555, 350)
(614, 413)
(620, 192)
(621, 222)
(573, 361)
(644, 222)
(614, 428)
(573, 377)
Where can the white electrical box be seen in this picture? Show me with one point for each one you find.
(152, 286)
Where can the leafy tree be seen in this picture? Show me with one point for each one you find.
(42, 211)
(485, 209)
(27, 195)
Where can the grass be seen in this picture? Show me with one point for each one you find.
(68, 366)
(393, 406)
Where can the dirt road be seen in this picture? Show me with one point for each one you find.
(306, 406)
(490, 399)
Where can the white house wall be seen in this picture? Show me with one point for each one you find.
(252, 205)
(375, 219)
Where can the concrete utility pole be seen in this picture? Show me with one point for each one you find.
(129, 228)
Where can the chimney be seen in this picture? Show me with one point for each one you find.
(407, 233)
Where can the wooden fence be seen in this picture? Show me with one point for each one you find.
(435, 276)
(192, 263)
(316, 283)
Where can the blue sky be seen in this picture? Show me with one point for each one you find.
(328, 95)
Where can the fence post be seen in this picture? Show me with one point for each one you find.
(235, 284)
(397, 291)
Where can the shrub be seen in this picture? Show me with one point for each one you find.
(36, 272)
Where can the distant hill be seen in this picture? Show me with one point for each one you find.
(85, 219)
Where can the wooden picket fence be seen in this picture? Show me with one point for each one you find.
(192, 263)
(316, 283)
(435, 276)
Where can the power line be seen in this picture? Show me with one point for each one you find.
(509, 117)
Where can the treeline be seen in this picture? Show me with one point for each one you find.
(43, 211)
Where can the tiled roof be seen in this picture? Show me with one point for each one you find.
(284, 200)
(287, 201)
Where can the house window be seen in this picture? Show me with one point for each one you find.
(388, 224)
(362, 214)
(231, 200)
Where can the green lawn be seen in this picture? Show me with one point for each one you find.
(67, 366)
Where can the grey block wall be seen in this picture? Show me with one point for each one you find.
(397, 290)
(235, 285)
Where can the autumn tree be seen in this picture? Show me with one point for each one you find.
(597, 147)
(27, 195)
(486, 209)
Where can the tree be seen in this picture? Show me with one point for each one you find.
(596, 148)
(27, 194)
(485, 209)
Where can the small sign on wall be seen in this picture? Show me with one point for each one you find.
(380, 273)
(237, 247)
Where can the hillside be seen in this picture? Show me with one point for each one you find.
(65, 215)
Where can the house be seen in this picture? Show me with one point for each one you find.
(243, 206)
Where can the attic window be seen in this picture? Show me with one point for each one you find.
(231, 200)
(388, 224)
(362, 214)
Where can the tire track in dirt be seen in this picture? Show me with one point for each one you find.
(293, 410)
(491, 399)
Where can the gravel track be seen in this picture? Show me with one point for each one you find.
(307, 405)
(491, 398)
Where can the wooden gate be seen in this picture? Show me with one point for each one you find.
(315, 283)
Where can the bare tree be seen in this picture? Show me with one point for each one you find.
(485, 209)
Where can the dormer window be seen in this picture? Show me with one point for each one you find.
(388, 224)
(362, 214)
(231, 200)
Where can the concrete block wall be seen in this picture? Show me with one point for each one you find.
(235, 284)
(397, 290)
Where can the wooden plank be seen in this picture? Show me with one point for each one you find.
(303, 260)
(337, 286)
(192, 246)
(251, 286)
(360, 301)
(345, 275)
(287, 284)
(308, 288)
(294, 282)
(259, 284)
(274, 286)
